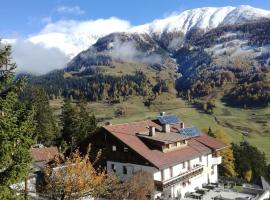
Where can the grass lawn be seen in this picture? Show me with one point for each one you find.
(234, 121)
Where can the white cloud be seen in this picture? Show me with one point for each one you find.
(59, 41)
(98, 26)
(72, 36)
(75, 10)
(36, 58)
(128, 51)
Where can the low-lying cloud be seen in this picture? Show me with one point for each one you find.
(176, 43)
(36, 58)
(127, 51)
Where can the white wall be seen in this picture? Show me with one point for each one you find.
(131, 168)
(177, 189)
(178, 169)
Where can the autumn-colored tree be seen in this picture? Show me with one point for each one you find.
(141, 185)
(75, 177)
(248, 175)
(138, 187)
(227, 167)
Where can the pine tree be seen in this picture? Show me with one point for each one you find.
(254, 160)
(67, 121)
(210, 132)
(46, 130)
(86, 122)
(77, 122)
(16, 128)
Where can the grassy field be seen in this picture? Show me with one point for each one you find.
(234, 121)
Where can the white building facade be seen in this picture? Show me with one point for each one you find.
(177, 180)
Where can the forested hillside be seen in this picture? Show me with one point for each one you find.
(231, 60)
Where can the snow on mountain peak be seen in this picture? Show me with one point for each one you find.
(70, 37)
(203, 18)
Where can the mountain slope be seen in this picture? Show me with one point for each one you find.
(232, 60)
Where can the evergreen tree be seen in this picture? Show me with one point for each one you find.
(16, 128)
(210, 132)
(77, 122)
(67, 121)
(249, 158)
(86, 122)
(46, 130)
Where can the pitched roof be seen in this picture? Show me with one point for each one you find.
(127, 133)
(210, 142)
(44, 153)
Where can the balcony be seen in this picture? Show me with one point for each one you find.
(216, 160)
(160, 185)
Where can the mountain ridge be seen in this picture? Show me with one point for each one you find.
(206, 18)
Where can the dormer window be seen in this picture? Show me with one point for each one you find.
(113, 148)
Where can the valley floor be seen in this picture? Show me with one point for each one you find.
(235, 121)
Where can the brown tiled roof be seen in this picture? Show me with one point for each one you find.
(210, 142)
(44, 153)
(127, 133)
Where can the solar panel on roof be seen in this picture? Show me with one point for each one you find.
(191, 132)
(168, 119)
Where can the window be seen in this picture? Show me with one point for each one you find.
(174, 144)
(113, 168)
(113, 148)
(184, 165)
(124, 170)
(171, 171)
(125, 149)
(189, 167)
(212, 170)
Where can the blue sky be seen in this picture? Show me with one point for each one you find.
(22, 18)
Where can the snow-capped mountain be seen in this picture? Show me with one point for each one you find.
(79, 37)
(203, 18)
(61, 41)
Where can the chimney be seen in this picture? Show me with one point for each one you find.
(182, 125)
(108, 123)
(152, 131)
(166, 128)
